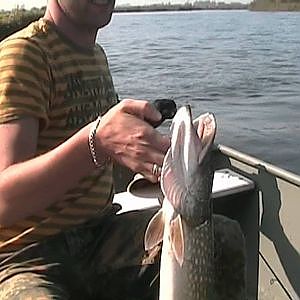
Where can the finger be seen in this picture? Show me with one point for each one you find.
(151, 178)
(142, 109)
(150, 173)
(152, 156)
(161, 142)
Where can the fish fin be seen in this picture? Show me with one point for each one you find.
(177, 240)
(155, 231)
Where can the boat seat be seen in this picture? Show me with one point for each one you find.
(142, 194)
(228, 182)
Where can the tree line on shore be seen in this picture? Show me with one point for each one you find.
(11, 21)
(275, 5)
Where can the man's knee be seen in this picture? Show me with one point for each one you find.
(228, 234)
(27, 286)
(230, 258)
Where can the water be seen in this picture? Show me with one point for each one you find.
(243, 66)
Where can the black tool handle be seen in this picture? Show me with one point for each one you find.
(167, 108)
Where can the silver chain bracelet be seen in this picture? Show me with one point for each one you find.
(92, 144)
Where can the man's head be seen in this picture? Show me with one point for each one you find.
(91, 14)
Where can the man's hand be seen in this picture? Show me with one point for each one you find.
(125, 136)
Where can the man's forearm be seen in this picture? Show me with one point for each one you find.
(31, 186)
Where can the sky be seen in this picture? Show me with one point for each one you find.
(9, 4)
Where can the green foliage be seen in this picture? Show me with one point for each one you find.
(275, 5)
(11, 21)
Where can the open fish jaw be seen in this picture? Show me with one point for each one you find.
(187, 174)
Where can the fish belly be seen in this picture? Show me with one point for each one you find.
(194, 279)
(168, 266)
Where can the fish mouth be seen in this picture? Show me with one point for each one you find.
(188, 158)
(191, 139)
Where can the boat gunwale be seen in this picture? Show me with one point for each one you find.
(259, 164)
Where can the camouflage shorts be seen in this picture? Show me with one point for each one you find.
(101, 259)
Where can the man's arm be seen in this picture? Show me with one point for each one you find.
(30, 184)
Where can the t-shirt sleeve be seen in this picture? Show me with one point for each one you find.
(24, 81)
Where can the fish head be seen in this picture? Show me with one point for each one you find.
(187, 171)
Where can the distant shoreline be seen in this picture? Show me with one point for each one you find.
(236, 6)
(174, 10)
(11, 21)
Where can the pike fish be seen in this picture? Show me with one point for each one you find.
(184, 223)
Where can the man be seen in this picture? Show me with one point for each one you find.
(60, 237)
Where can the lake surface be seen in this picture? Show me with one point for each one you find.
(243, 66)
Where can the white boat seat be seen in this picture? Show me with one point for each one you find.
(142, 194)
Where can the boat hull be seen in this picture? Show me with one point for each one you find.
(268, 210)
